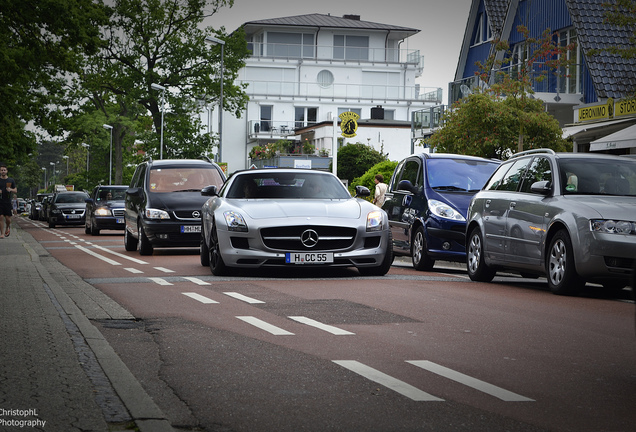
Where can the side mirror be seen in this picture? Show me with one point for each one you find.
(362, 191)
(209, 191)
(89, 200)
(541, 187)
(406, 185)
(135, 192)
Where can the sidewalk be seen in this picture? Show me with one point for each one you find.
(57, 372)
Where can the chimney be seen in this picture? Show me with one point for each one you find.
(352, 17)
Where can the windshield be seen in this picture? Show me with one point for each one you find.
(458, 174)
(183, 179)
(70, 198)
(287, 185)
(111, 194)
(598, 177)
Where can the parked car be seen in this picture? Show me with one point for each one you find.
(105, 209)
(163, 203)
(67, 208)
(427, 201)
(292, 217)
(43, 214)
(568, 216)
(36, 203)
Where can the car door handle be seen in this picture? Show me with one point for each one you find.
(487, 204)
(513, 204)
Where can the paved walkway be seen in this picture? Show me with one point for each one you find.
(57, 372)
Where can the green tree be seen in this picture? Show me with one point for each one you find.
(385, 168)
(355, 159)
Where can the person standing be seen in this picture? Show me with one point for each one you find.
(380, 190)
(7, 187)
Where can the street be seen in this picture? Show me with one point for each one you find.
(328, 350)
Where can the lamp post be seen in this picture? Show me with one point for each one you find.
(44, 168)
(110, 166)
(86, 146)
(215, 41)
(66, 157)
(54, 169)
(162, 89)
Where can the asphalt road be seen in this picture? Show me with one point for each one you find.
(331, 351)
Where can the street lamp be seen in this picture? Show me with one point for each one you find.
(44, 168)
(215, 41)
(66, 157)
(162, 89)
(86, 146)
(54, 169)
(110, 167)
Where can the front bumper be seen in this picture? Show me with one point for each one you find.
(168, 233)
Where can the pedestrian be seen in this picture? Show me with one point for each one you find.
(7, 187)
(14, 204)
(380, 190)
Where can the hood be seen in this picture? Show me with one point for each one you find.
(286, 208)
(177, 200)
(457, 200)
(70, 205)
(607, 207)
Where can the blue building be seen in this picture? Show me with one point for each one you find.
(591, 96)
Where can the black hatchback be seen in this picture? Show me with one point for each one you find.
(163, 203)
(67, 208)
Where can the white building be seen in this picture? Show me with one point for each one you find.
(306, 69)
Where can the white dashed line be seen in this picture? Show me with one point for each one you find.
(133, 270)
(264, 326)
(163, 269)
(159, 281)
(243, 298)
(196, 280)
(387, 381)
(199, 297)
(321, 326)
(482, 386)
(96, 255)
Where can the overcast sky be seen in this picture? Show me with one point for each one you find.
(441, 23)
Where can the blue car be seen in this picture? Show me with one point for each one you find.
(427, 203)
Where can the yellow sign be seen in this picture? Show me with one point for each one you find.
(597, 112)
(349, 125)
(625, 107)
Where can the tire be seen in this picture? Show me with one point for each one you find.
(384, 267)
(130, 243)
(421, 261)
(476, 266)
(562, 276)
(217, 266)
(94, 231)
(145, 248)
(204, 251)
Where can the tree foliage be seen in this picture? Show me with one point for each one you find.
(385, 168)
(355, 159)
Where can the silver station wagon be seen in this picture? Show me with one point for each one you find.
(568, 216)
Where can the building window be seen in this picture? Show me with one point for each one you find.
(305, 116)
(347, 47)
(354, 110)
(266, 118)
(483, 31)
(570, 74)
(325, 78)
(290, 45)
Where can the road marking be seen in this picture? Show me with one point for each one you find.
(243, 298)
(196, 280)
(96, 255)
(159, 281)
(132, 270)
(321, 326)
(264, 326)
(199, 297)
(482, 386)
(163, 269)
(387, 381)
(135, 260)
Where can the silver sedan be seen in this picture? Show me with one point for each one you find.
(290, 218)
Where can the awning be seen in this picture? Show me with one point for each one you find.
(625, 138)
(570, 131)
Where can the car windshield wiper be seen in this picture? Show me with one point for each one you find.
(188, 190)
(449, 188)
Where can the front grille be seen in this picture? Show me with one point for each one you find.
(73, 212)
(187, 215)
(289, 238)
(118, 212)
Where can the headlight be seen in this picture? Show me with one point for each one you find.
(102, 212)
(156, 214)
(612, 226)
(235, 221)
(445, 211)
(374, 221)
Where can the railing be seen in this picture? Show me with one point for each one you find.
(342, 91)
(274, 129)
(338, 53)
(544, 79)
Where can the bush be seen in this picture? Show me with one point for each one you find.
(385, 168)
(355, 159)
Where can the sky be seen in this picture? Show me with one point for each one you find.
(441, 23)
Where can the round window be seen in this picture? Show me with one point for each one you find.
(325, 78)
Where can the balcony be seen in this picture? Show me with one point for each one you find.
(294, 161)
(269, 129)
(544, 79)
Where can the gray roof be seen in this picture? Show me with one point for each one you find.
(320, 20)
(613, 75)
(496, 11)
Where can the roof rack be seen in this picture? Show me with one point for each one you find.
(527, 152)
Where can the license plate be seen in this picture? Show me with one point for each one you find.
(309, 257)
(190, 228)
(119, 220)
(72, 216)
